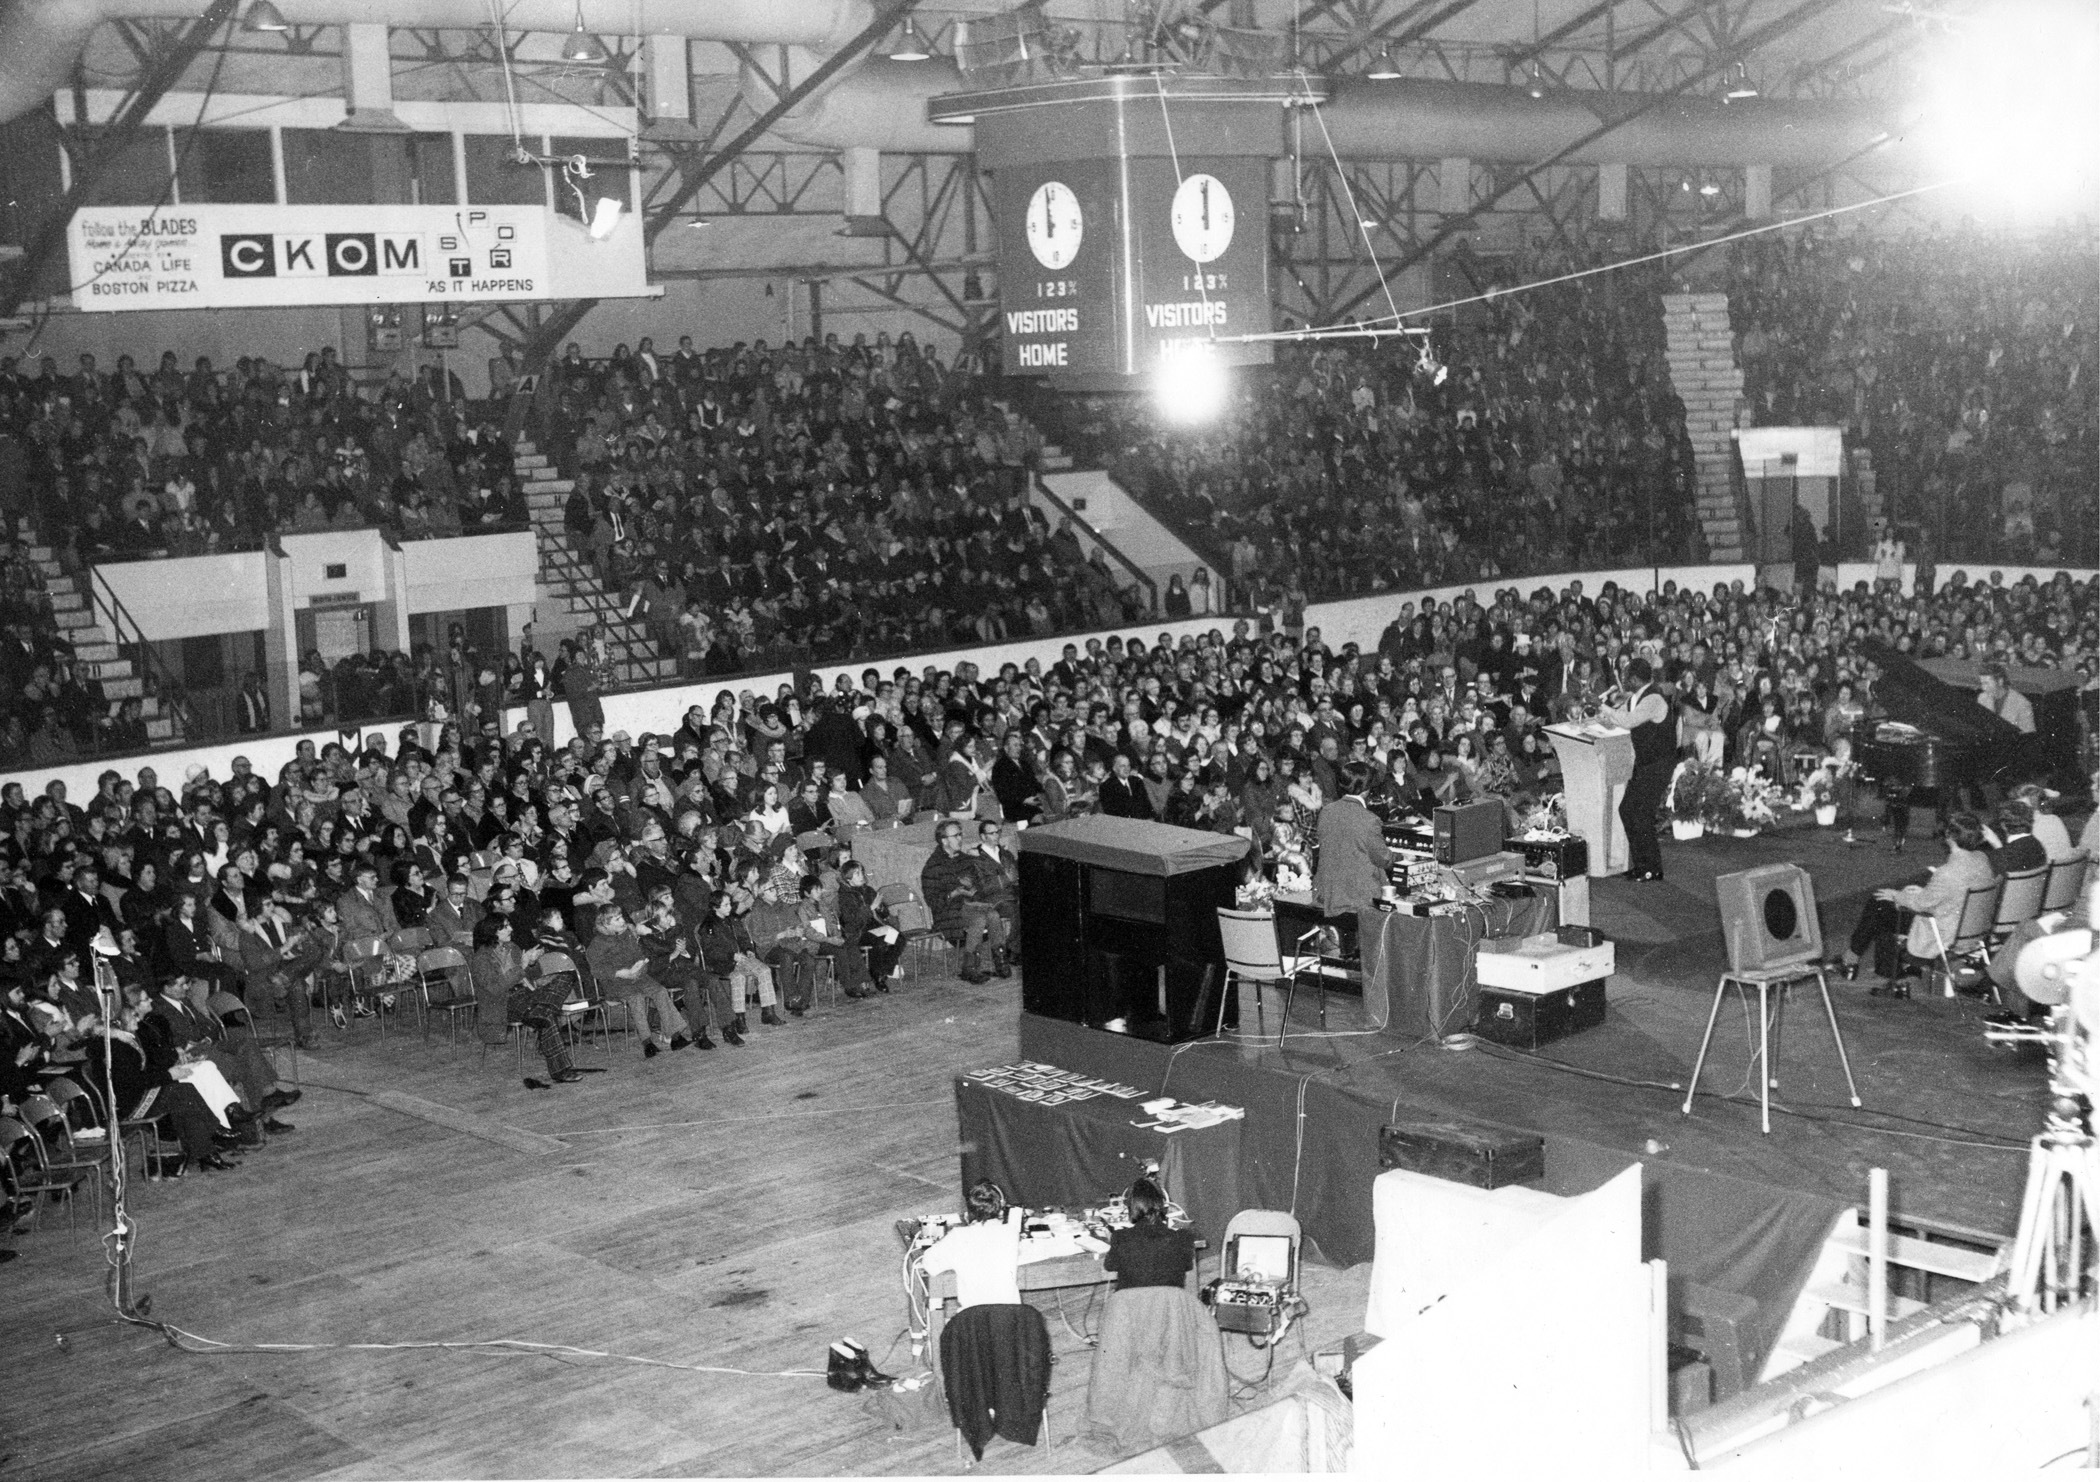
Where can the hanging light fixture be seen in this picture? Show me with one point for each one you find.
(582, 47)
(263, 16)
(1385, 69)
(1739, 85)
(1536, 88)
(911, 46)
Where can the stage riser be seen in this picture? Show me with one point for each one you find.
(1695, 1218)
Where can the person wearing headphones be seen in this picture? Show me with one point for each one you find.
(1149, 1251)
(984, 1251)
(1646, 713)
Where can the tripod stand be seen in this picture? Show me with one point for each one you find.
(2053, 1257)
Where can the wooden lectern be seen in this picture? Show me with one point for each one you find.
(1595, 763)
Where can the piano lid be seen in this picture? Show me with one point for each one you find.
(1906, 692)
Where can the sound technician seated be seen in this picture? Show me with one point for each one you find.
(1149, 1251)
(984, 1251)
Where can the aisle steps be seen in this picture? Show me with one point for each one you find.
(96, 655)
(1700, 353)
(572, 596)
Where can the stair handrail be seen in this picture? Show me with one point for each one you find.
(104, 603)
(1138, 574)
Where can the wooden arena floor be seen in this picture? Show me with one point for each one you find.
(735, 1209)
(732, 1208)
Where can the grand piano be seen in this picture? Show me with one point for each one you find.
(1928, 741)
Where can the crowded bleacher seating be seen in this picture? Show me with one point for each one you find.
(1551, 441)
(820, 500)
(1963, 360)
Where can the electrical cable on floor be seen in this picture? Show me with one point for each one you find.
(1797, 1111)
(183, 1339)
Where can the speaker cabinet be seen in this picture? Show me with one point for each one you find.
(1769, 917)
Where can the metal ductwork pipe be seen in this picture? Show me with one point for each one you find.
(1424, 119)
(878, 105)
(40, 40)
(882, 105)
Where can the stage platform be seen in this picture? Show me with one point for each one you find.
(1946, 1113)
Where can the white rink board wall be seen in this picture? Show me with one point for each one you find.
(1358, 619)
(247, 257)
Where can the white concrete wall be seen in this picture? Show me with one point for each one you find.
(192, 596)
(1360, 620)
(1851, 572)
(472, 571)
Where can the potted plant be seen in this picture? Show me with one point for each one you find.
(1686, 802)
(1818, 793)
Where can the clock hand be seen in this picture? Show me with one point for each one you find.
(1206, 205)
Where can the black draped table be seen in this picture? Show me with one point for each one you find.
(1079, 1154)
(1418, 970)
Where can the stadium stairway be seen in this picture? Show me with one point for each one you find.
(95, 653)
(1700, 352)
(573, 597)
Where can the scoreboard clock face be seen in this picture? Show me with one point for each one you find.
(1203, 218)
(1056, 225)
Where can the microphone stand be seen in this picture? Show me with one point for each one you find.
(117, 1244)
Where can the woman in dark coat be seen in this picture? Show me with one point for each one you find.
(504, 996)
(861, 913)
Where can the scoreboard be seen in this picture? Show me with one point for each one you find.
(1112, 267)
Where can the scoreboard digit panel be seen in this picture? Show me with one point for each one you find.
(1200, 243)
(1060, 249)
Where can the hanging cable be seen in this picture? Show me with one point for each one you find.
(1388, 325)
(1363, 227)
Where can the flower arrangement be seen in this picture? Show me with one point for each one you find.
(1819, 787)
(1746, 801)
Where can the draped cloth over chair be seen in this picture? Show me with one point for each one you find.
(995, 1359)
(1159, 1372)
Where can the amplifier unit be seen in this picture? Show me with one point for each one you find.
(1467, 831)
(1556, 859)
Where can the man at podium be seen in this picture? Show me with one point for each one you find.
(1646, 714)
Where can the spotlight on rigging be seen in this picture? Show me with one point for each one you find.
(911, 46)
(263, 16)
(582, 47)
(1385, 69)
(1191, 385)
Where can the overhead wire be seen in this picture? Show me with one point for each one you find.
(1394, 320)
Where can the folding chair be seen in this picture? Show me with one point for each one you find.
(581, 1009)
(435, 974)
(1254, 954)
(36, 1179)
(2020, 902)
(914, 923)
(2066, 879)
(364, 959)
(52, 1130)
(1972, 933)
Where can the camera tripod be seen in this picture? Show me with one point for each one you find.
(2054, 1254)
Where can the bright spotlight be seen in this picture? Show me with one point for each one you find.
(2009, 105)
(1192, 386)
